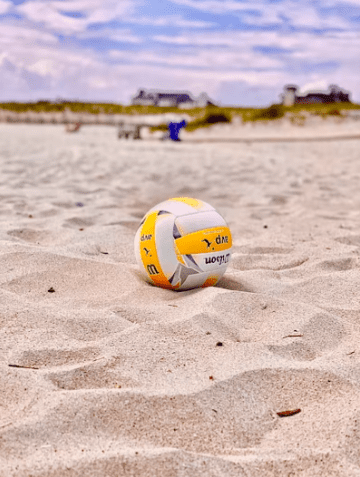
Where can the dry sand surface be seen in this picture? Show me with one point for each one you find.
(119, 378)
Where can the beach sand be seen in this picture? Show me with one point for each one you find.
(105, 375)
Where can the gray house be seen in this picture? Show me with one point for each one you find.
(178, 99)
(333, 95)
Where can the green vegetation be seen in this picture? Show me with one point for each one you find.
(322, 109)
(275, 111)
(201, 117)
(209, 119)
(163, 127)
(91, 108)
(76, 107)
(212, 116)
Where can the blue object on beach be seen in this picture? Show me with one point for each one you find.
(174, 129)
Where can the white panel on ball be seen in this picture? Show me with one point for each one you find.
(165, 243)
(188, 224)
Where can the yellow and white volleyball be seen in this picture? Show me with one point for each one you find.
(183, 243)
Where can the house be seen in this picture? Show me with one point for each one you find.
(178, 99)
(333, 95)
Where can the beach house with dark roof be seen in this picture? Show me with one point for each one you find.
(178, 99)
(335, 94)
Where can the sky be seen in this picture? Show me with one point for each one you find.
(239, 52)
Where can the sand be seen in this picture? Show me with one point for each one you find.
(105, 375)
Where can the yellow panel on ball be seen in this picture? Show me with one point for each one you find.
(197, 204)
(204, 241)
(149, 254)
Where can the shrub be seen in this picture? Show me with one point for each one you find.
(334, 112)
(208, 120)
(160, 127)
(212, 118)
(275, 111)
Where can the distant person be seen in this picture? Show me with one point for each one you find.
(174, 130)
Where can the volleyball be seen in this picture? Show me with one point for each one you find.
(183, 243)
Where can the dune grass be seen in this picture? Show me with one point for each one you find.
(200, 117)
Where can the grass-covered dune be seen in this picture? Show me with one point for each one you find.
(201, 117)
(210, 116)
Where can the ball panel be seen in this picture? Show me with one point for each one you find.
(137, 245)
(182, 206)
(204, 279)
(191, 263)
(195, 203)
(210, 281)
(148, 252)
(187, 225)
(213, 261)
(176, 208)
(193, 281)
(165, 244)
(204, 241)
(181, 275)
(178, 255)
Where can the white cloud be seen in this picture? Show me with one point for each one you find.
(43, 67)
(175, 21)
(49, 13)
(215, 6)
(120, 35)
(320, 85)
(233, 60)
(199, 39)
(15, 34)
(231, 39)
(332, 3)
(299, 14)
(306, 16)
(4, 6)
(305, 45)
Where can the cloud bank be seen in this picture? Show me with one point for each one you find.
(239, 52)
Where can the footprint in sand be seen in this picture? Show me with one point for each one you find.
(321, 333)
(278, 200)
(77, 222)
(54, 357)
(101, 374)
(17, 394)
(40, 237)
(273, 262)
(132, 225)
(338, 265)
(350, 240)
(262, 250)
(268, 258)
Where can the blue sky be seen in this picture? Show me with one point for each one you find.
(239, 52)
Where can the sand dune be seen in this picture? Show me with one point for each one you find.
(103, 375)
